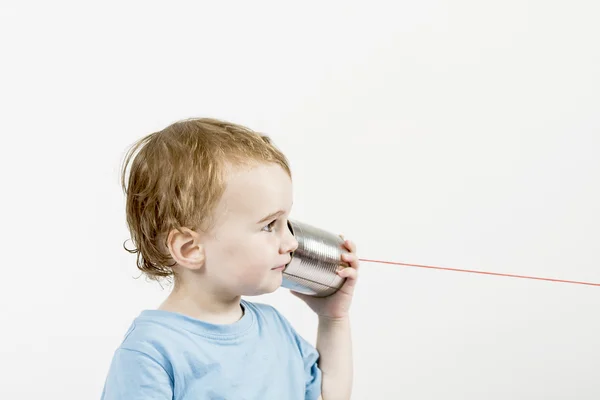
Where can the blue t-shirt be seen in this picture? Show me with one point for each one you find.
(167, 355)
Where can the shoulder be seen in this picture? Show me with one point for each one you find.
(144, 336)
(271, 319)
(304, 353)
(266, 313)
(262, 308)
(153, 337)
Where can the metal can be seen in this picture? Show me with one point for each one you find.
(314, 264)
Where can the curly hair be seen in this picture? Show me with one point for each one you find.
(177, 177)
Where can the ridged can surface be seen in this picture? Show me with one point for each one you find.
(313, 267)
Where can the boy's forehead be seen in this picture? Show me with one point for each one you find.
(257, 190)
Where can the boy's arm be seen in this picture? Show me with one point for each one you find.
(334, 344)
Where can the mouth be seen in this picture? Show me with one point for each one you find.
(282, 266)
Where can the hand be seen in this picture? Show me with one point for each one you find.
(337, 305)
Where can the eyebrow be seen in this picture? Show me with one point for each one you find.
(271, 216)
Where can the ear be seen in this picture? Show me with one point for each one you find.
(186, 249)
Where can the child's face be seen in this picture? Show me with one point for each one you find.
(245, 248)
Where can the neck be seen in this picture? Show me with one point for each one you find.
(201, 303)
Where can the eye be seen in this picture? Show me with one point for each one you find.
(269, 228)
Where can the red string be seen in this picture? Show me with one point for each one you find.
(480, 272)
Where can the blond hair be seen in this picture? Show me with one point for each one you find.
(177, 178)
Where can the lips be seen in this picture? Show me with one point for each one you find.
(281, 267)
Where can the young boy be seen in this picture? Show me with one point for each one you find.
(207, 204)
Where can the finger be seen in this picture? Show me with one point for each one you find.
(348, 273)
(351, 276)
(349, 244)
(351, 259)
(352, 245)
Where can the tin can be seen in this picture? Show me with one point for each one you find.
(314, 264)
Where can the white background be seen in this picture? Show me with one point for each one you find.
(463, 134)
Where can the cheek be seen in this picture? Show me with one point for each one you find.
(245, 256)
(254, 255)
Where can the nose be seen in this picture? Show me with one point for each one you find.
(289, 243)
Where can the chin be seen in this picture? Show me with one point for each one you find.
(265, 288)
(273, 285)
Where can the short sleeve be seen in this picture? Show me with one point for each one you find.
(312, 372)
(310, 356)
(135, 375)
